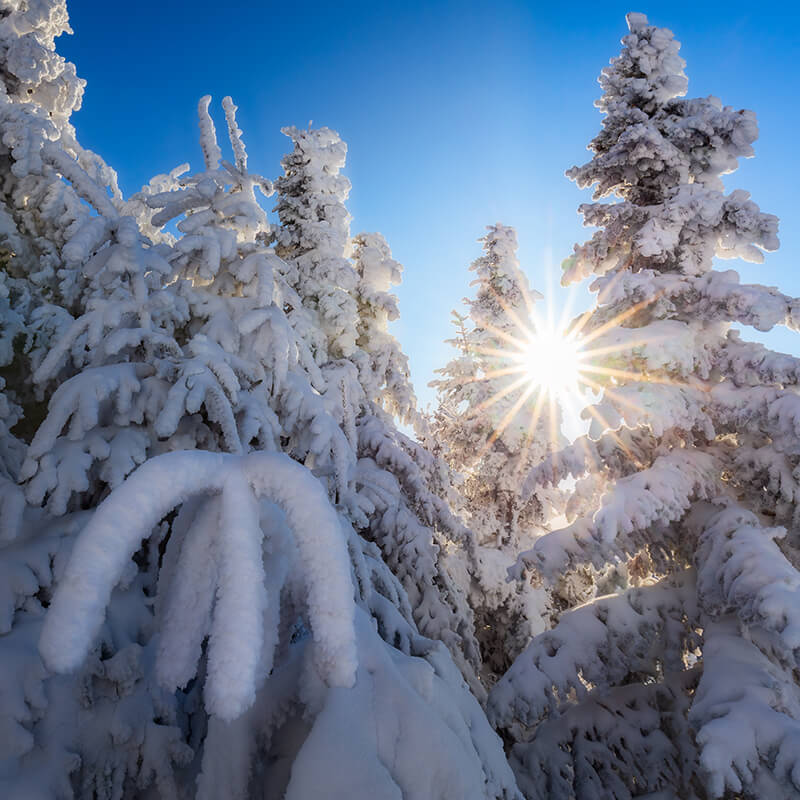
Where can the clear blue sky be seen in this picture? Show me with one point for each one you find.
(457, 115)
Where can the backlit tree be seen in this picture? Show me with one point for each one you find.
(683, 679)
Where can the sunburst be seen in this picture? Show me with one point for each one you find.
(556, 369)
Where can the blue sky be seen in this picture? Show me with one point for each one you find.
(457, 115)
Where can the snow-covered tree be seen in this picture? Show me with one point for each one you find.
(39, 90)
(493, 425)
(398, 494)
(223, 570)
(383, 367)
(492, 420)
(683, 679)
(313, 240)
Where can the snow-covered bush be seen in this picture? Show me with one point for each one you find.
(682, 680)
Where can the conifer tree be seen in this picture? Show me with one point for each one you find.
(493, 425)
(493, 421)
(398, 494)
(313, 240)
(222, 568)
(682, 681)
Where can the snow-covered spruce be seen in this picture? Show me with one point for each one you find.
(484, 429)
(493, 431)
(313, 241)
(396, 495)
(683, 682)
(207, 644)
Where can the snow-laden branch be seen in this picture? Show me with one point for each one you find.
(84, 186)
(740, 568)
(659, 406)
(745, 714)
(715, 296)
(752, 364)
(614, 741)
(235, 134)
(208, 134)
(596, 644)
(128, 515)
(660, 494)
(760, 410)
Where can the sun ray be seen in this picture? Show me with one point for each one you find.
(497, 352)
(511, 312)
(619, 318)
(529, 303)
(634, 376)
(552, 420)
(590, 455)
(566, 316)
(617, 398)
(494, 373)
(512, 340)
(620, 347)
(571, 404)
(603, 294)
(503, 424)
(611, 432)
(498, 396)
(535, 415)
(578, 324)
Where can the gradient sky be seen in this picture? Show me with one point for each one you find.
(457, 115)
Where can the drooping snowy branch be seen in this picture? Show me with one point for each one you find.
(104, 548)
(741, 569)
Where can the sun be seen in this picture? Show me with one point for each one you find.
(552, 362)
(552, 369)
(541, 368)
